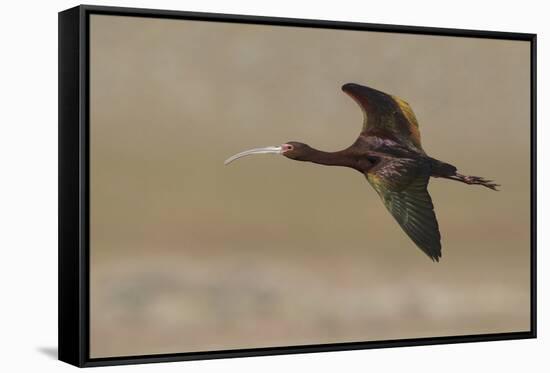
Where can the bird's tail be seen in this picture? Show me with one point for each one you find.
(448, 171)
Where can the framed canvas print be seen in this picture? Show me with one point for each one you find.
(238, 186)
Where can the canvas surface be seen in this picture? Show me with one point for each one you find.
(190, 255)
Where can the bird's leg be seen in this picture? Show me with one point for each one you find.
(473, 180)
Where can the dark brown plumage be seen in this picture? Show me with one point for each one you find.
(389, 153)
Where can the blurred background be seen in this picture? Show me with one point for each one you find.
(190, 255)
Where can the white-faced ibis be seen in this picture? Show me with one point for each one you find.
(388, 152)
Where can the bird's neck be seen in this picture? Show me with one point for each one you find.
(339, 158)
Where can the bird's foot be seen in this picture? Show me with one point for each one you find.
(476, 180)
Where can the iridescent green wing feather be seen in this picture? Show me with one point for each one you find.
(386, 116)
(402, 186)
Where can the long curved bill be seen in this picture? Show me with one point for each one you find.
(266, 150)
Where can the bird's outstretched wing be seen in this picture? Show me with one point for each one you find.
(386, 116)
(402, 185)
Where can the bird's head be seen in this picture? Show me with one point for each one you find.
(292, 149)
(296, 150)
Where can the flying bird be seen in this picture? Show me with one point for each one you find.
(389, 154)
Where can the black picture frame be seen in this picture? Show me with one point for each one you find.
(74, 184)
